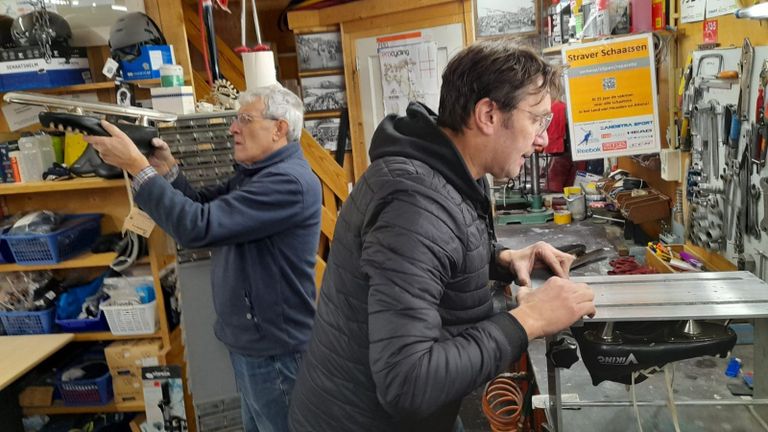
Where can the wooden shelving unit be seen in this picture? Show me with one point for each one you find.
(89, 87)
(108, 197)
(86, 260)
(59, 186)
(108, 336)
(60, 408)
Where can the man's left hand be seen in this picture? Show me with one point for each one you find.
(118, 150)
(522, 262)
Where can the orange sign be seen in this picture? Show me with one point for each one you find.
(611, 97)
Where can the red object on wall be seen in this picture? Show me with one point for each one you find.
(556, 130)
(710, 31)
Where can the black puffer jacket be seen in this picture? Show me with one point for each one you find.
(405, 327)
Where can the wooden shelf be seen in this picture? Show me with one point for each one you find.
(85, 260)
(60, 408)
(555, 50)
(105, 336)
(322, 115)
(58, 186)
(106, 85)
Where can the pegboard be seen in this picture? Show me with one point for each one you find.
(705, 63)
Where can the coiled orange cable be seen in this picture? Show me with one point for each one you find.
(503, 404)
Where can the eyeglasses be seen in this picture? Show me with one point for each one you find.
(245, 118)
(543, 120)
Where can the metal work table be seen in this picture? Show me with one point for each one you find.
(643, 299)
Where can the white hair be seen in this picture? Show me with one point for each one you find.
(279, 103)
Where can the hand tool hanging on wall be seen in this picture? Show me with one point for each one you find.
(764, 187)
(753, 223)
(206, 17)
(761, 125)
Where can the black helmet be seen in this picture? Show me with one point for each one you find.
(6, 40)
(132, 31)
(27, 29)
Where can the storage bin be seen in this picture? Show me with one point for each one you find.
(6, 256)
(132, 319)
(24, 323)
(83, 325)
(75, 235)
(96, 391)
(67, 311)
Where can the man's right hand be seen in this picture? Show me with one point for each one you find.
(162, 159)
(553, 306)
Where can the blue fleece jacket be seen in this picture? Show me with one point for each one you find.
(264, 227)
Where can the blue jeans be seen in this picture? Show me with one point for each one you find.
(265, 385)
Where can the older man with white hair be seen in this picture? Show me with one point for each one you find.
(263, 226)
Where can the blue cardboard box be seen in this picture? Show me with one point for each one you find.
(26, 68)
(147, 64)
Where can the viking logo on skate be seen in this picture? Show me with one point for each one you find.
(617, 361)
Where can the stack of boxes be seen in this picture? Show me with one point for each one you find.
(125, 360)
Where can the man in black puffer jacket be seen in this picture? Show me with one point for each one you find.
(405, 326)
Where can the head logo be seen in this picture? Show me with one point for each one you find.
(617, 360)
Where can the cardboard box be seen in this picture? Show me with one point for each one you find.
(26, 68)
(147, 64)
(175, 100)
(36, 396)
(127, 388)
(127, 357)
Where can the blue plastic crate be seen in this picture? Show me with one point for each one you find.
(97, 391)
(6, 256)
(75, 235)
(83, 325)
(24, 323)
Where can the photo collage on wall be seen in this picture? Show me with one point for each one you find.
(321, 71)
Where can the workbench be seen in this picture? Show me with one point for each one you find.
(18, 355)
(695, 379)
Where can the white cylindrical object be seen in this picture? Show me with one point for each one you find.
(171, 75)
(758, 11)
(259, 67)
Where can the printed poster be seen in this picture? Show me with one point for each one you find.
(408, 72)
(611, 98)
(717, 8)
(692, 10)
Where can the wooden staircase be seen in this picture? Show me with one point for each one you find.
(230, 64)
(335, 192)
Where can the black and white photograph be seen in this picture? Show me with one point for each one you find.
(325, 131)
(319, 51)
(323, 93)
(506, 17)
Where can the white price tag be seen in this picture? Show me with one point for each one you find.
(110, 67)
(138, 222)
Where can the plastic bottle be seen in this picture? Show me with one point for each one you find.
(603, 18)
(588, 20)
(30, 167)
(640, 17)
(35, 156)
(47, 152)
(565, 15)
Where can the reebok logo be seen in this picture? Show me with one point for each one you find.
(617, 361)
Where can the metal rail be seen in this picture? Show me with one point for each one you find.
(142, 115)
